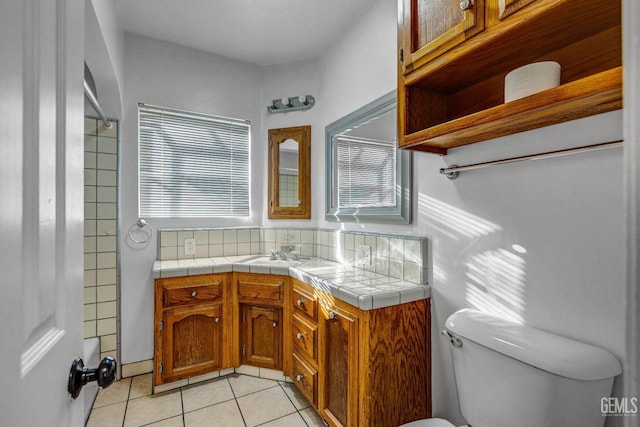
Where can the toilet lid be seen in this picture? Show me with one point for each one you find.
(431, 422)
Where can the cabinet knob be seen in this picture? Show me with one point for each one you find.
(299, 335)
(194, 293)
(274, 324)
(299, 378)
(332, 315)
(299, 303)
(217, 320)
(465, 4)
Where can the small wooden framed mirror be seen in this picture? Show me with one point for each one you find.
(290, 173)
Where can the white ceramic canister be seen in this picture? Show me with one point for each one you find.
(531, 78)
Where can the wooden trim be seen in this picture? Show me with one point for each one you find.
(301, 134)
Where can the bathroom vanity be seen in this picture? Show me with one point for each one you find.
(362, 362)
(360, 367)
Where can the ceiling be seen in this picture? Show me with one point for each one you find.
(262, 32)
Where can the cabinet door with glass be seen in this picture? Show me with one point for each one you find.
(431, 27)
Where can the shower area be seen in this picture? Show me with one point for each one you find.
(101, 237)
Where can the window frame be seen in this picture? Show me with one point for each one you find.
(401, 212)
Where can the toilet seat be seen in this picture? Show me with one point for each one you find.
(431, 422)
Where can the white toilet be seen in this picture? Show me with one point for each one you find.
(511, 375)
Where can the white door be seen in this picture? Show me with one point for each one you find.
(41, 209)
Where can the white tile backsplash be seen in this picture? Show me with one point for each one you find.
(400, 257)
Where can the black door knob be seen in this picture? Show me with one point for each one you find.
(104, 374)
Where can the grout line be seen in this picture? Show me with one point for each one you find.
(184, 423)
(298, 410)
(279, 418)
(236, 400)
(126, 406)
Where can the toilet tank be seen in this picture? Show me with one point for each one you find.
(512, 375)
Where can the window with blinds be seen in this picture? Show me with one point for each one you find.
(192, 165)
(364, 172)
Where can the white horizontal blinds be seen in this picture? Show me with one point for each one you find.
(365, 173)
(192, 165)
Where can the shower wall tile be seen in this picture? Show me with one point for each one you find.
(107, 145)
(101, 234)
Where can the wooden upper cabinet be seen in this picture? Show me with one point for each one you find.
(451, 77)
(431, 27)
(504, 8)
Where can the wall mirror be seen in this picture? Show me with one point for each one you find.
(367, 178)
(290, 173)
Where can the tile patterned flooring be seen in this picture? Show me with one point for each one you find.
(231, 401)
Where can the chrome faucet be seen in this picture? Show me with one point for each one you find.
(288, 252)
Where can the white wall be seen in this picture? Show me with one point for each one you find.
(291, 80)
(104, 54)
(165, 74)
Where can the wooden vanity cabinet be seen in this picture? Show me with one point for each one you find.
(338, 376)
(304, 340)
(452, 65)
(261, 336)
(259, 328)
(192, 327)
(373, 367)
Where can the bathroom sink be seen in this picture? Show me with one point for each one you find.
(267, 260)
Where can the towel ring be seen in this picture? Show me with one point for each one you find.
(141, 223)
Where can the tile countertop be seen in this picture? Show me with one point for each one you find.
(360, 288)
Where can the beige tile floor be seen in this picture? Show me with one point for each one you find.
(231, 401)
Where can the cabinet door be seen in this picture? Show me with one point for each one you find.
(192, 341)
(500, 9)
(338, 396)
(429, 28)
(261, 336)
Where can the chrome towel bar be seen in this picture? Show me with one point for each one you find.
(453, 171)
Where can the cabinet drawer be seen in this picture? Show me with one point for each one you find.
(305, 337)
(304, 302)
(305, 377)
(252, 290)
(191, 293)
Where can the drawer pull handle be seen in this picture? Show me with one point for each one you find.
(299, 335)
(193, 294)
(299, 378)
(217, 320)
(299, 303)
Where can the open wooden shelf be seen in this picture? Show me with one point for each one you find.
(590, 95)
(457, 97)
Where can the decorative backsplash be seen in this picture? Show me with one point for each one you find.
(399, 256)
